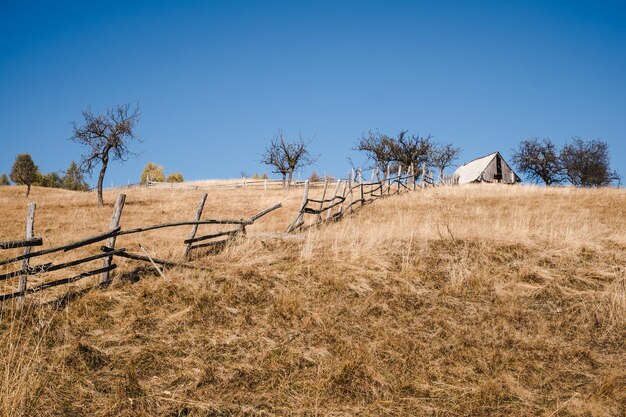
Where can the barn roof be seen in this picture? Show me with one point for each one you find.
(472, 170)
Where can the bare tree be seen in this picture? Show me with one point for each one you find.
(586, 163)
(414, 149)
(106, 136)
(377, 148)
(288, 156)
(539, 160)
(443, 156)
(402, 150)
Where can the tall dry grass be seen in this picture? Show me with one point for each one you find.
(480, 300)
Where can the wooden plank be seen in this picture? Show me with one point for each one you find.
(176, 224)
(32, 270)
(262, 213)
(13, 244)
(214, 244)
(65, 248)
(58, 282)
(213, 235)
(164, 262)
(30, 234)
(110, 243)
(50, 267)
(194, 228)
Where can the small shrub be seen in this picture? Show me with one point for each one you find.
(175, 177)
(152, 172)
(4, 180)
(314, 177)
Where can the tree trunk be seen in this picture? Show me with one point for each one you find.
(27, 189)
(441, 175)
(105, 162)
(284, 179)
(289, 179)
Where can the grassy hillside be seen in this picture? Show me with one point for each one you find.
(478, 300)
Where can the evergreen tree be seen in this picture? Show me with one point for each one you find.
(74, 179)
(24, 171)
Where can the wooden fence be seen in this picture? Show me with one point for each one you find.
(109, 251)
(247, 183)
(354, 192)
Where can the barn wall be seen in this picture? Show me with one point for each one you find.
(508, 176)
(490, 171)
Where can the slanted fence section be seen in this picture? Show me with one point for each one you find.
(108, 251)
(353, 193)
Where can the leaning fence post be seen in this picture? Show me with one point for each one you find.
(194, 228)
(110, 243)
(30, 234)
(305, 198)
(319, 215)
(330, 209)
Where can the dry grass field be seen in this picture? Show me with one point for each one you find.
(461, 301)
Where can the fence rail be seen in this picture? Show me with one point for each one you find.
(108, 252)
(357, 193)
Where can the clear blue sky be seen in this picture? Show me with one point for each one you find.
(216, 80)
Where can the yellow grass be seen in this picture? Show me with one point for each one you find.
(479, 300)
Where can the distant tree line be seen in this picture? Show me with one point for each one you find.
(26, 172)
(581, 163)
(107, 137)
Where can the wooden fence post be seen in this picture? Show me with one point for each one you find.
(110, 243)
(305, 198)
(194, 228)
(333, 201)
(30, 234)
(319, 215)
(422, 183)
(343, 197)
(351, 197)
(399, 177)
(387, 177)
(361, 194)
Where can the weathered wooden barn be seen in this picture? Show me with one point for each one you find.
(490, 168)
